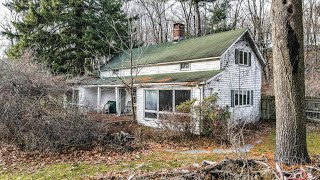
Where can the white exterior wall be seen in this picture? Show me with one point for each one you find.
(88, 97)
(107, 94)
(235, 77)
(172, 68)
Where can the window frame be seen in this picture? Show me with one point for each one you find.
(243, 57)
(183, 68)
(157, 111)
(75, 96)
(242, 98)
(115, 71)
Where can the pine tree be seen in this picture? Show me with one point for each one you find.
(67, 34)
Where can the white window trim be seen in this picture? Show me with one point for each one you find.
(158, 111)
(247, 98)
(248, 59)
(185, 69)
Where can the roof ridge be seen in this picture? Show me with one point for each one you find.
(213, 45)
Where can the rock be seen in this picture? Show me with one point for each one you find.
(206, 163)
(184, 171)
(196, 165)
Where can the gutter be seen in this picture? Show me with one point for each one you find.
(143, 84)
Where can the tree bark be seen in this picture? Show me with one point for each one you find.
(196, 6)
(289, 85)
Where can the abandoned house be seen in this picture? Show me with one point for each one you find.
(228, 64)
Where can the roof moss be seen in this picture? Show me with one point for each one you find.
(195, 48)
(183, 77)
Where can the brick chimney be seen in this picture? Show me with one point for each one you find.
(178, 32)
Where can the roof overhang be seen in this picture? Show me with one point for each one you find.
(190, 78)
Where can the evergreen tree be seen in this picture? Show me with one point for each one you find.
(218, 20)
(67, 34)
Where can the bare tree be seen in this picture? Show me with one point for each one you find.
(288, 54)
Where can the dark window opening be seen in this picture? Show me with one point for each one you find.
(165, 100)
(150, 115)
(182, 96)
(185, 66)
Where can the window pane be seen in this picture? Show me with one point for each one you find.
(245, 58)
(240, 98)
(69, 96)
(245, 97)
(248, 97)
(150, 115)
(241, 57)
(151, 100)
(236, 98)
(76, 96)
(165, 100)
(182, 96)
(184, 65)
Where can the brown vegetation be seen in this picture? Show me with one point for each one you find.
(32, 113)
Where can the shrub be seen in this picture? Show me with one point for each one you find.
(32, 116)
(212, 119)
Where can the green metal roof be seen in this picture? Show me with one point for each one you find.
(183, 77)
(195, 48)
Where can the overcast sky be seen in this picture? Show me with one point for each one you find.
(3, 12)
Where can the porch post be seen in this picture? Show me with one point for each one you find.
(98, 98)
(117, 101)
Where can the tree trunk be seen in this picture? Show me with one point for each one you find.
(196, 6)
(289, 86)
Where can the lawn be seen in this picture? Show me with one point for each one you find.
(158, 159)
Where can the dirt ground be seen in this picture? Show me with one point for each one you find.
(144, 156)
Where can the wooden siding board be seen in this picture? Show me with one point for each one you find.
(236, 76)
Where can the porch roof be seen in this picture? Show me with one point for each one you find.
(183, 77)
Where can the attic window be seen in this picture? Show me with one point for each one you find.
(185, 66)
(242, 57)
(115, 71)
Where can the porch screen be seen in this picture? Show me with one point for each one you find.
(165, 100)
(151, 100)
(182, 96)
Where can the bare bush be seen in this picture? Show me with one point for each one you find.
(205, 118)
(32, 116)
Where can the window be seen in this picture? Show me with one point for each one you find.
(181, 96)
(115, 71)
(163, 101)
(241, 98)
(185, 66)
(151, 100)
(242, 57)
(72, 96)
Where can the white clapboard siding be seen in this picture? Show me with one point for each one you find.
(161, 69)
(236, 77)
